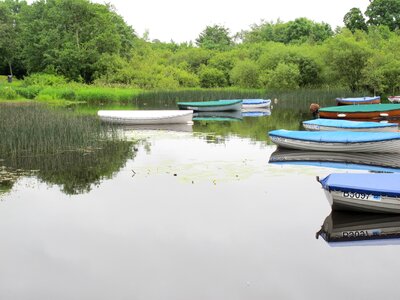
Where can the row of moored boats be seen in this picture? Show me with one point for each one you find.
(350, 131)
(187, 112)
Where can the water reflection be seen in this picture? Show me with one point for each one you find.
(218, 116)
(342, 227)
(376, 162)
(162, 127)
(256, 113)
(74, 171)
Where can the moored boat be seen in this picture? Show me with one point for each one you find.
(394, 99)
(145, 117)
(345, 125)
(337, 141)
(362, 111)
(358, 100)
(256, 103)
(217, 105)
(371, 192)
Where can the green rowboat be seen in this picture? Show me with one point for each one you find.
(363, 111)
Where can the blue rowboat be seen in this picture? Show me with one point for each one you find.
(358, 100)
(256, 103)
(345, 125)
(217, 105)
(371, 192)
(337, 141)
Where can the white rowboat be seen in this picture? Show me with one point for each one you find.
(345, 125)
(146, 117)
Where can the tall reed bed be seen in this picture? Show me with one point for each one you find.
(30, 130)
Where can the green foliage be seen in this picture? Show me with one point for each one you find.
(298, 31)
(284, 77)
(8, 93)
(348, 58)
(214, 38)
(246, 74)
(42, 79)
(212, 77)
(354, 20)
(384, 12)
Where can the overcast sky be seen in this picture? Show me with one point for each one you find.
(184, 20)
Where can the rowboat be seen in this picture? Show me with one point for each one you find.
(256, 103)
(373, 162)
(367, 192)
(394, 99)
(260, 112)
(362, 111)
(345, 125)
(137, 117)
(218, 116)
(358, 100)
(337, 141)
(341, 227)
(217, 105)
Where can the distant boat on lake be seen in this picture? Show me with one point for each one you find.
(337, 141)
(394, 99)
(145, 117)
(256, 103)
(345, 125)
(217, 105)
(358, 100)
(362, 111)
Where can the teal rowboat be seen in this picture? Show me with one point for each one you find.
(217, 105)
(362, 111)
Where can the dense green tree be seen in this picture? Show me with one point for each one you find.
(284, 77)
(354, 20)
(215, 38)
(246, 74)
(384, 12)
(348, 58)
(68, 37)
(10, 29)
(212, 77)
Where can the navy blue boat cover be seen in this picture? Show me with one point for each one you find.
(255, 101)
(336, 136)
(348, 124)
(376, 184)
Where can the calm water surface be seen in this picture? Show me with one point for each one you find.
(194, 213)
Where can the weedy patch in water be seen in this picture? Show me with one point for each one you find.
(69, 150)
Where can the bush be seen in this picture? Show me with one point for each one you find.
(41, 79)
(212, 78)
(8, 93)
(245, 74)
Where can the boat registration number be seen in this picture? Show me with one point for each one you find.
(361, 196)
(361, 233)
(313, 127)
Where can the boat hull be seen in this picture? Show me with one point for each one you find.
(340, 200)
(311, 127)
(360, 115)
(355, 101)
(253, 104)
(394, 99)
(146, 117)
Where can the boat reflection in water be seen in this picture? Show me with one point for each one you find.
(183, 127)
(256, 112)
(218, 116)
(375, 162)
(342, 228)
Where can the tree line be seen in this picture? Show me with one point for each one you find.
(87, 42)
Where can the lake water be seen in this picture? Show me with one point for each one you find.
(195, 212)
